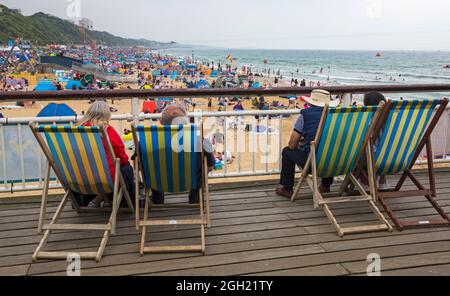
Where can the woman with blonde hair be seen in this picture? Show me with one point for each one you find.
(99, 114)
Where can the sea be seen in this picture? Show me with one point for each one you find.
(338, 67)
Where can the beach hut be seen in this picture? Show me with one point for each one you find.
(54, 109)
(45, 85)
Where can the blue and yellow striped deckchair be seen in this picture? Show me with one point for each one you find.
(169, 158)
(78, 157)
(341, 140)
(401, 135)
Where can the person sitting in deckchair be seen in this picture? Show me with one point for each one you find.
(297, 151)
(374, 99)
(174, 115)
(99, 114)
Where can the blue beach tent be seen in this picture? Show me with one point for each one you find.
(71, 84)
(54, 109)
(45, 85)
(202, 84)
(256, 85)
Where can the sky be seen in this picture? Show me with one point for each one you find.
(265, 24)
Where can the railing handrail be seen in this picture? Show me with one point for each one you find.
(142, 116)
(216, 92)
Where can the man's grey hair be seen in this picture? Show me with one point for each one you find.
(175, 114)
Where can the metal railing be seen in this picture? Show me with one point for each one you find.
(254, 151)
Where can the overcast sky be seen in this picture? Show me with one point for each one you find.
(273, 24)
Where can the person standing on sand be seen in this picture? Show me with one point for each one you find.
(298, 149)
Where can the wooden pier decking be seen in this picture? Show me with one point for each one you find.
(254, 232)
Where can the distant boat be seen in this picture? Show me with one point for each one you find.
(378, 54)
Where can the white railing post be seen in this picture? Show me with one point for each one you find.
(3, 156)
(135, 110)
(346, 100)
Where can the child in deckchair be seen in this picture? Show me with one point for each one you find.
(305, 127)
(99, 114)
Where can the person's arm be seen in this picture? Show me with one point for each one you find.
(117, 145)
(296, 135)
(208, 152)
(294, 141)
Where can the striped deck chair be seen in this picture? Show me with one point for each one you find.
(341, 140)
(168, 158)
(402, 133)
(77, 156)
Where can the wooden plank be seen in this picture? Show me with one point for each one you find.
(405, 193)
(256, 224)
(76, 227)
(317, 213)
(172, 222)
(63, 255)
(214, 231)
(224, 265)
(388, 240)
(361, 229)
(139, 268)
(32, 218)
(10, 233)
(227, 248)
(172, 249)
(402, 262)
(433, 270)
(322, 270)
(346, 199)
(17, 270)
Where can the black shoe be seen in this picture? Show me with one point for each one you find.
(158, 201)
(194, 197)
(157, 197)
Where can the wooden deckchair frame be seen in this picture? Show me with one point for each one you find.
(109, 228)
(429, 193)
(144, 223)
(324, 200)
